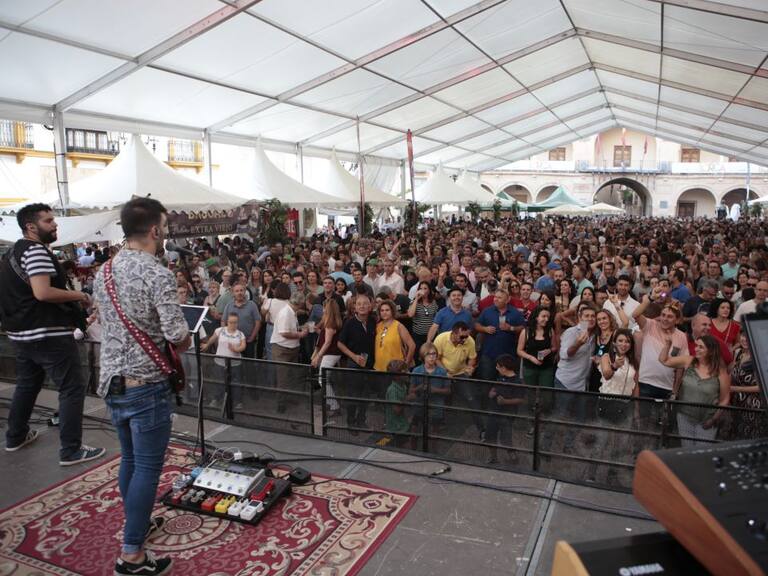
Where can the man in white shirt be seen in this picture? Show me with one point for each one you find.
(372, 276)
(625, 301)
(86, 259)
(286, 338)
(750, 306)
(391, 278)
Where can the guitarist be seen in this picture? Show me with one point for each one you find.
(140, 312)
(39, 315)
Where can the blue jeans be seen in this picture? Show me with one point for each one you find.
(142, 417)
(59, 357)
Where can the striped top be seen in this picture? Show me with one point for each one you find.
(37, 260)
(424, 318)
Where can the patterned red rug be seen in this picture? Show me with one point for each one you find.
(76, 527)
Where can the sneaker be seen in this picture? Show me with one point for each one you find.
(151, 566)
(31, 437)
(85, 454)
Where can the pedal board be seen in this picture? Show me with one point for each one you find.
(228, 490)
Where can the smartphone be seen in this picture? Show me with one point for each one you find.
(663, 294)
(584, 326)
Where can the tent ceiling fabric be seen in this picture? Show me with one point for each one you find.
(481, 83)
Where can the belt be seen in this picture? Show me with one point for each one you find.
(134, 382)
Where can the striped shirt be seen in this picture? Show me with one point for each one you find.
(37, 260)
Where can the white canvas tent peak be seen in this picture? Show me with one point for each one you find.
(473, 186)
(440, 189)
(267, 181)
(136, 172)
(339, 182)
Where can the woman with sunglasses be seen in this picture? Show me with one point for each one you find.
(745, 393)
(393, 342)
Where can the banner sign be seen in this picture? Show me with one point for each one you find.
(241, 220)
(292, 223)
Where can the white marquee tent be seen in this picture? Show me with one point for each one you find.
(479, 86)
(606, 209)
(136, 172)
(265, 181)
(339, 182)
(474, 187)
(440, 189)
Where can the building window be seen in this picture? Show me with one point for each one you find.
(557, 155)
(90, 142)
(622, 155)
(689, 155)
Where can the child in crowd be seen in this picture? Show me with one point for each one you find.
(439, 388)
(230, 343)
(397, 421)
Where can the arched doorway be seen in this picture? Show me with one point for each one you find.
(737, 196)
(545, 193)
(519, 193)
(696, 202)
(627, 194)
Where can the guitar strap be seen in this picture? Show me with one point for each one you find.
(146, 343)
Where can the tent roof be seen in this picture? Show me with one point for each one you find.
(441, 189)
(267, 181)
(559, 197)
(479, 86)
(339, 182)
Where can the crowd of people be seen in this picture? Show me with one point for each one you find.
(558, 300)
(457, 313)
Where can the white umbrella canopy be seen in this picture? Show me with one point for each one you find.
(339, 182)
(441, 189)
(473, 186)
(136, 172)
(604, 208)
(266, 181)
(568, 210)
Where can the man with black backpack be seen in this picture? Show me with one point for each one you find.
(40, 315)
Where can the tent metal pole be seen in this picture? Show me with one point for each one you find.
(208, 156)
(361, 226)
(60, 150)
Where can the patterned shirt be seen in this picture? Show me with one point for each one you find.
(147, 294)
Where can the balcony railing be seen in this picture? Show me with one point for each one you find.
(185, 151)
(16, 134)
(91, 142)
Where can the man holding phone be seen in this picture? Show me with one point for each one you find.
(657, 380)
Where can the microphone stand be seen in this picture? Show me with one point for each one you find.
(200, 396)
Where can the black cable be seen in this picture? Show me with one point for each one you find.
(392, 467)
(518, 490)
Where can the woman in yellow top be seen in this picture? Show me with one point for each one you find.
(393, 342)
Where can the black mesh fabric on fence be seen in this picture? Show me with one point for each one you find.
(574, 436)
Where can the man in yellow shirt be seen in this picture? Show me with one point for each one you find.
(456, 353)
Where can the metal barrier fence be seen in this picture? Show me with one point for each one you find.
(574, 436)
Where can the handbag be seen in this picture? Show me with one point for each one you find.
(169, 362)
(615, 409)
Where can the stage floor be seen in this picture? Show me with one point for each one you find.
(452, 529)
